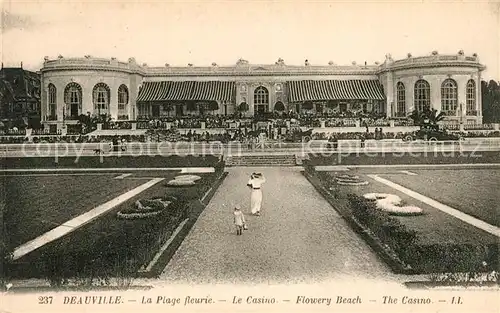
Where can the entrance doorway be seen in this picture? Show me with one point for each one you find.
(179, 110)
(74, 109)
(261, 100)
(155, 110)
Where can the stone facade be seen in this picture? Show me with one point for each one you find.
(88, 72)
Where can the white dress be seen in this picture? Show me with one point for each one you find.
(256, 195)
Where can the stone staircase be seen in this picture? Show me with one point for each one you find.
(261, 160)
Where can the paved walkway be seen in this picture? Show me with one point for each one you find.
(299, 238)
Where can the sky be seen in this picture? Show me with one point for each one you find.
(202, 32)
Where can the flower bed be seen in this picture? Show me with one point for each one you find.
(188, 177)
(146, 208)
(436, 258)
(180, 183)
(392, 204)
(398, 245)
(118, 247)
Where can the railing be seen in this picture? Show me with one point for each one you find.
(478, 127)
(11, 132)
(90, 62)
(235, 148)
(41, 132)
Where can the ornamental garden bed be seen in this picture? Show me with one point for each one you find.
(409, 242)
(116, 246)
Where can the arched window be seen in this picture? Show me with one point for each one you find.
(261, 99)
(401, 100)
(73, 99)
(422, 95)
(449, 95)
(101, 97)
(122, 97)
(52, 101)
(470, 99)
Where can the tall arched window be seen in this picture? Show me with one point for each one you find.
(470, 99)
(449, 95)
(261, 100)
(122, 97)
(401, 100)
(73, 99)
(422, 95)
(52, 102)
(101, 97)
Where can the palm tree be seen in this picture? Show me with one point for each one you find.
(417, 117)
(433, 116)
(427, 116)
(86, 123)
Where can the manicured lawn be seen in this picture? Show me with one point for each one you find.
(406, 158)
(417, 244)
(472, 191)
(38, 203)
(98, 243)
(435, 226)
(110, 162)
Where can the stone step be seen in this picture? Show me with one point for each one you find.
(261, 164)
(262, 160)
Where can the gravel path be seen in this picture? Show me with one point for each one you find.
(299, 238)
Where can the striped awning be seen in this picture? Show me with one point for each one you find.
(319, 90)
(153, 91)
(180, 91)
(214, 90)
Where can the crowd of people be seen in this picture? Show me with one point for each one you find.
(280, 119)
(285, 126)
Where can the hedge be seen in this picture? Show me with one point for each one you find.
(112, 247)
(421, 257)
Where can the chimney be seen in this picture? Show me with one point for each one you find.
(21, 64)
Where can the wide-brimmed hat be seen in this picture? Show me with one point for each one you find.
(237, 207)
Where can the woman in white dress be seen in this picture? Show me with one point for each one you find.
(255, 183)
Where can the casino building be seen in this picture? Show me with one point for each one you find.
(128, 91)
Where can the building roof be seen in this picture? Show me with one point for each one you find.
(20, 84)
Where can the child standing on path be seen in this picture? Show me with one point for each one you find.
(239, 220)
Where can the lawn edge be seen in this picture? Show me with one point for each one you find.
(177, 238)
(396, 265)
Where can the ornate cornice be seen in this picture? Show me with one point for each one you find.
(259, 70)
(467, 73)
(439, 64)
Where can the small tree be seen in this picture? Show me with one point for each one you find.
(416, 117)
(243, 107)
(307, 105)
(427, 116)
(279, 106)
(433, 116)
(168, 107)
(87, 123)
(213, 106)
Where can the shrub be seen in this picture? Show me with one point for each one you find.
(116, 255)
(187, 177)
(180, 183)
(422, 257)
